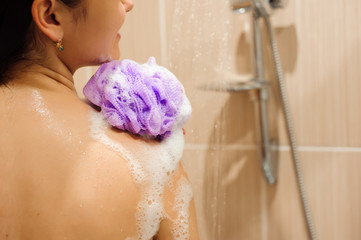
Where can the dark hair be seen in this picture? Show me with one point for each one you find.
(15, 21)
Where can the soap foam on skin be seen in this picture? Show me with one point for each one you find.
(97, 131)
(40, 107)
(152, 167)
(160, 170)
(183, 196)
(39, 104)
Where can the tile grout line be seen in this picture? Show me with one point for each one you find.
(163, 31)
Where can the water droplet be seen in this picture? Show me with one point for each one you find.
(81, 205)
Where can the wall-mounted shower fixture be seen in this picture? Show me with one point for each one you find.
(261, 10)
(268, 154)
(268, 147)
(265, 6)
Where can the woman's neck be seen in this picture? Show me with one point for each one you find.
(56, 73)
(51, 72)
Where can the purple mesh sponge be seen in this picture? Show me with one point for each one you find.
(142, 99)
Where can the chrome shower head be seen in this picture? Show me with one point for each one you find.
(262, 7)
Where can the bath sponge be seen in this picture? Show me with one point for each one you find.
(143, 99)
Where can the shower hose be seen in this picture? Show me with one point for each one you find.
(290, 130)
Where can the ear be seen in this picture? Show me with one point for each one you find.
(47, 17)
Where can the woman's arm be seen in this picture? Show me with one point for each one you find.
(180, 221)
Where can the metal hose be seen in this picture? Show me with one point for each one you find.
(290, 130)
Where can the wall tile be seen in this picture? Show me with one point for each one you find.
(228, 117)
(324, 85)
(227, 190)
(284, 207)
(332, 183)
(232, 182)
(141, 32)
(81, 77)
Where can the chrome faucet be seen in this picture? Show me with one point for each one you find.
(261, 10)
(268, 147)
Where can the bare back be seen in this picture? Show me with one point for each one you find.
(57, 180)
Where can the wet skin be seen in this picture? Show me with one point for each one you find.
(57, 182)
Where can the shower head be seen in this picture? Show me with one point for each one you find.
(262, 7)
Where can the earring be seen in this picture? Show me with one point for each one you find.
(59, 45)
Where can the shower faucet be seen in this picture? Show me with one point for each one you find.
(267, 147)
(268, 154)
(263, 7)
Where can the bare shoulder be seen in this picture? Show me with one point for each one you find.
(76, 182)
(105, 185)
(102, 189)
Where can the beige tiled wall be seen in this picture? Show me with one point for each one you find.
(320, 47)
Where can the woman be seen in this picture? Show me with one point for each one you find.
(60, 178)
